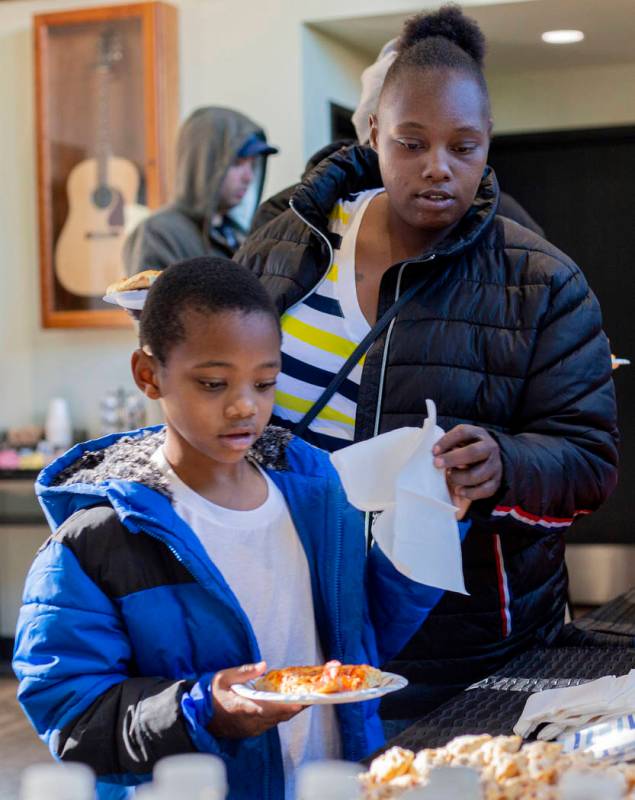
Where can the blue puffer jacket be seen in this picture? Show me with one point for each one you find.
(125, 618)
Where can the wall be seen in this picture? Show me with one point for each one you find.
(584, 97)
(36, 364)
(331, 73)
(250, 59)
(259, 58)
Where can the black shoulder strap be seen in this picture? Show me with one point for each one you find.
(339, 378)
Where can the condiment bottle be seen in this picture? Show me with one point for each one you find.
(57, 782)
(191, 776)
(586, 785)
(328, 780)
(57, 428)
(448, 783)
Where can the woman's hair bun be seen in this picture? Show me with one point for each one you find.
(450, 23)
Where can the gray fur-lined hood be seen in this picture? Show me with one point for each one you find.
(85, 473)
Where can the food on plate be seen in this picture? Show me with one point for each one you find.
(508, 770)
(142, 280)
(325, 679)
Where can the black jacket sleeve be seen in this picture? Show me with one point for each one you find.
(561, 461)
(129, 728)
(272, 208)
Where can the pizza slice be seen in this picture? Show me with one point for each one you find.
(326, 679)
(141, 280)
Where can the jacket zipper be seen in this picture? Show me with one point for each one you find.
(384, 359)
(331, 256)
(382, 375)
(338, 579)
(367, 516)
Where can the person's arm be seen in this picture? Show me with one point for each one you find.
(150, 246)
(562, 461)
(75, 665)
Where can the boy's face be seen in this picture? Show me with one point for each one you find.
(217, 386)
(431, 134)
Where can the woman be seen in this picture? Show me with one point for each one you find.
(504, 335)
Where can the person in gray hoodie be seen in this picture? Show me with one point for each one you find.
(221, 157)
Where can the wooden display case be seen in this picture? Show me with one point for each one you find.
(106, 117)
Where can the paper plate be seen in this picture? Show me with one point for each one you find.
(389, 683)
(132, 300)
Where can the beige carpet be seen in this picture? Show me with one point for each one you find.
(19, 745)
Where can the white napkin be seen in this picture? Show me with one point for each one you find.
(570, 709)
(418, 530)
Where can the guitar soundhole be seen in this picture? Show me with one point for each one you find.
(102, 197)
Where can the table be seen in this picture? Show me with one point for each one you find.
(616, 618)
(600, 643)
(495, 710)
(23, 528)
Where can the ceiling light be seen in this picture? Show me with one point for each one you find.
(562, 37)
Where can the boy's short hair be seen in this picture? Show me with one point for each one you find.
(206, 285)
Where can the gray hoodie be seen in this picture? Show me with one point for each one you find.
(207, 145)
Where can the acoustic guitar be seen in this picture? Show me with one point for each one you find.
(102, 194)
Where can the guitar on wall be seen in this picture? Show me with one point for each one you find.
(102, 194)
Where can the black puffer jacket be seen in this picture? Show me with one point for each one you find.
(506, 334)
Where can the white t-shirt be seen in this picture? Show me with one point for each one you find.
(261, 557)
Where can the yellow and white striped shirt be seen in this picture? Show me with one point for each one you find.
(320, 333)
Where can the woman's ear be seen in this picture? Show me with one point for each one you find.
(144, 372)
(372, 138)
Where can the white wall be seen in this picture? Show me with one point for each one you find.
(256, 56)
(331, 73)
(36, 364)
(248, 56)
(582, 97)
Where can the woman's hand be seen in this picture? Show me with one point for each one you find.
(471, 458)
(238, 717)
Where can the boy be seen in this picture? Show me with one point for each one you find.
(183, 557)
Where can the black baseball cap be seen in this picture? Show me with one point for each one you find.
(256, 145)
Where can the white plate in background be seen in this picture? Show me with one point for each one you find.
(132, 300)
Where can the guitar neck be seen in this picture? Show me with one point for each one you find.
(102, 140)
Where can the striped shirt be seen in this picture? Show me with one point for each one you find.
(320, 333)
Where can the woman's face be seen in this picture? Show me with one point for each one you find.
(431, 133)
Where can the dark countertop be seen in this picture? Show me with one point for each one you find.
(19, 474)
(600, 643)
(495, 711)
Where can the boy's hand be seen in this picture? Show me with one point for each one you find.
(471, 458)
(238, 717)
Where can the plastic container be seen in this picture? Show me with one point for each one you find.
(57, 428)
(449, 783)
(57, 782)
(191, 776)
(328, 780)
(585, 785)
